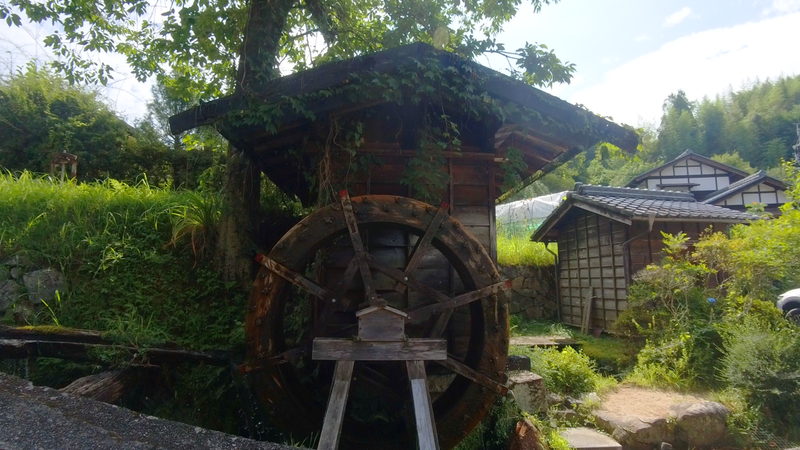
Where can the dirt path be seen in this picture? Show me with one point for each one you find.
(642, 403)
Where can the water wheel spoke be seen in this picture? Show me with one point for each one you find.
(293, 277)
(440, 324)
(472, 374)
(338, 299)
(422, 243)
(425, 312)
(377, 383)
(358, 247)
(408, 280)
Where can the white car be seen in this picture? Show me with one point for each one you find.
(789, 303)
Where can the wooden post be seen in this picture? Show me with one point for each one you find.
(423, 411)
(586, 321)
(334, 415)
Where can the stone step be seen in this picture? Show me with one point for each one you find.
(583, 438)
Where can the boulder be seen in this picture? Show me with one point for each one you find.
(553, 399)
(17, 260)
(15, 273)
(516, 283)
(635, 433)
(529, 391)
(582, 438)
(10, 292)
(700, 424)
(534, 312)
(526, 437)
(43, 284)
(518, 362)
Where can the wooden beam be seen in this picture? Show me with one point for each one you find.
(422, 243)
(472, 374)
(602, 212)
(408, 280)
(409, 350)
(294, 277)
(358, 247)
(78, 351)
(334, 414)
(423, 410)
(553, 165)
(461, 300)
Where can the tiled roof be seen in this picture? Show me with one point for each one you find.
(742, 184)
(641, 204)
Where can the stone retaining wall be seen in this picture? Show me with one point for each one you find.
(533, 291)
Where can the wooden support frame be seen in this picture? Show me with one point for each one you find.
(423, 410)
(473, 375)
(334, 414)
(408, 350)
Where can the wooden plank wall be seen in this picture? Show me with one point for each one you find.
(650, 247)
(469, 194)
(592, 262)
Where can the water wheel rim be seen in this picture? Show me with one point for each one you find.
(461, 407)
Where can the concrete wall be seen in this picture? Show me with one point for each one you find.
(533, 292)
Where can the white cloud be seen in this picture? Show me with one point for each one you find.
(701, 64)
(677, 17)
(782, 7)
(641, 38)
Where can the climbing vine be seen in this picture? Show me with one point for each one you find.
(439, 84)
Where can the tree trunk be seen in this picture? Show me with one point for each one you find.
(258, 63)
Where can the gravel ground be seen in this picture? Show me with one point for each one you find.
(33, 417)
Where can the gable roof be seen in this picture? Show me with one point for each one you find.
(584, 124)
(686, 155)
(752, 180)
(627, 205)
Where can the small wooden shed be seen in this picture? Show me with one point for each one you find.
(605, 235)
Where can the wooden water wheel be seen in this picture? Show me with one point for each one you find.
(320, 273)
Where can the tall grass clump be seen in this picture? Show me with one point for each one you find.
(132, 259)
(521, 251)
(123, 248)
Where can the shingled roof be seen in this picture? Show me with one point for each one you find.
(627, 205)
(752, 180)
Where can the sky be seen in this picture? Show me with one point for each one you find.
(629, 54)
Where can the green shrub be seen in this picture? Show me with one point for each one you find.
(763, 363)
(567, 372)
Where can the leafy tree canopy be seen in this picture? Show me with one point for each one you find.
(201, 40)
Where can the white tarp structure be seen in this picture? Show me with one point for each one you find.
(520, 218)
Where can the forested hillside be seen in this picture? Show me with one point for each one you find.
(751, 129)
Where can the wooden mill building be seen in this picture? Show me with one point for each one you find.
(714, 183)
(605, 235)
(374, 125)
(294, 146)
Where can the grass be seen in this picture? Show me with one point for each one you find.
(520, 251)
(130, 255)
(612, 355)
